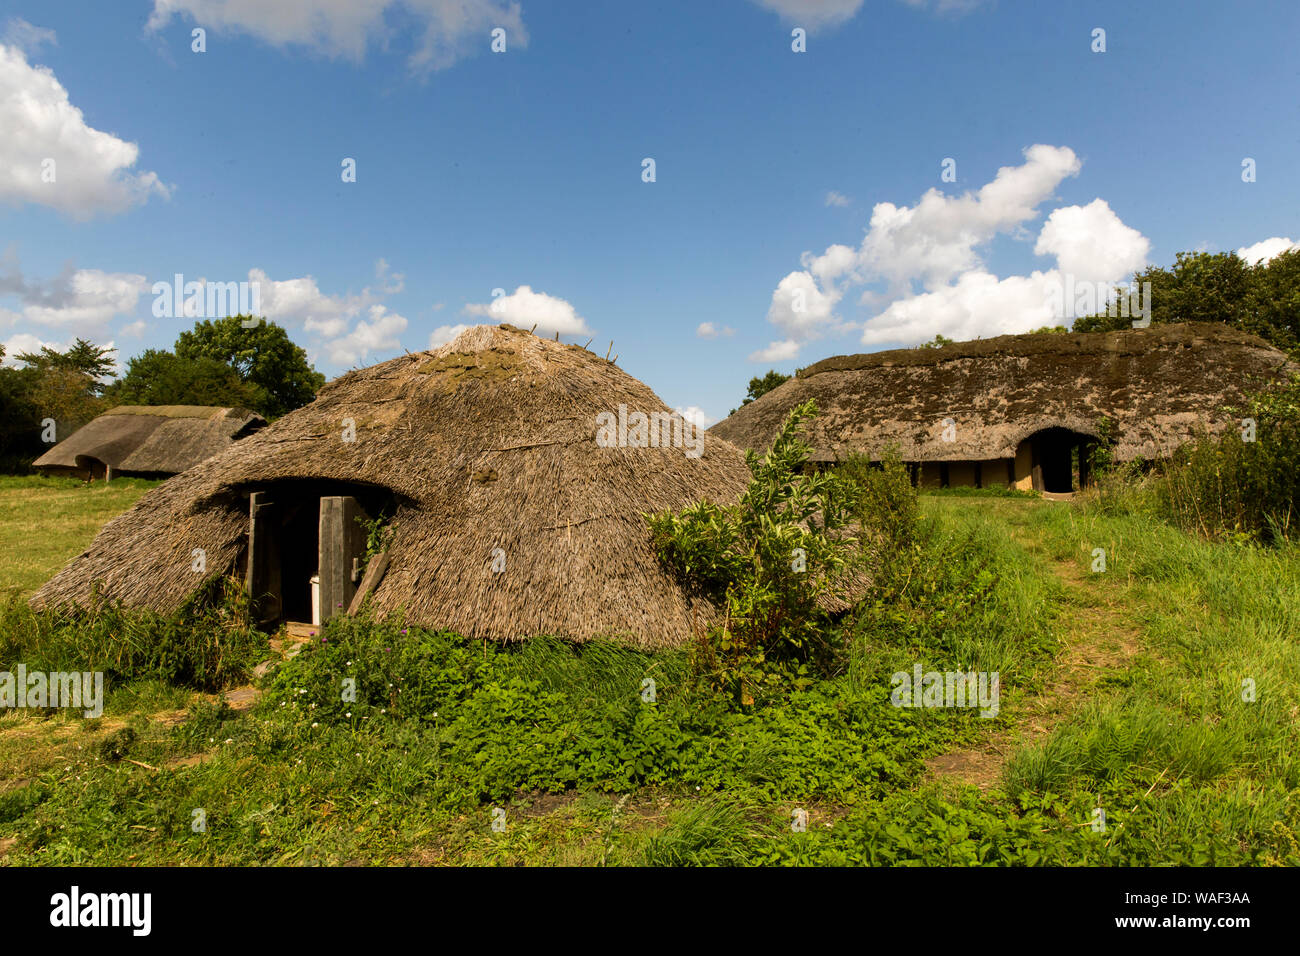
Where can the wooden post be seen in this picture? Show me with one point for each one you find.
(342, 551)
(262, 578)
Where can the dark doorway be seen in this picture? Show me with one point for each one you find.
(1058, 457)
(285, 544)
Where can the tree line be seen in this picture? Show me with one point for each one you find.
(238, 361)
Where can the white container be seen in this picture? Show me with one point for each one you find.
(315, 599)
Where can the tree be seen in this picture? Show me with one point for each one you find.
(262, 355)
(158, 377)
(938, 342)
(67, 386)
(1273, 306)
(20, 424)
(84, 358)
(1200, 287)
(760, 386)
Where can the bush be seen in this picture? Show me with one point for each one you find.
(207, 644)
(886, 507)
(772, 562)
(1241, 484)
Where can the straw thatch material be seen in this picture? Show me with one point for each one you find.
(487, 442)
(1158, 385)
(150, 439)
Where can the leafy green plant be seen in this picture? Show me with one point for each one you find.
(772, 562)
(1245, 483)
(379, 532)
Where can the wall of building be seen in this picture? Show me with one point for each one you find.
(1024, 467)
(963, 474)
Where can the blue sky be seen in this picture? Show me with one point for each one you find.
(759, 244)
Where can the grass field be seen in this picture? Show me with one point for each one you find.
(1124, 693)
(45, 522)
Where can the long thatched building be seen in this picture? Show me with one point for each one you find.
(512, 471)
(148, 441)
(1020, 410)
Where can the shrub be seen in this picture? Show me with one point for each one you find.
(772, 562)
(886, 507)
(208, 643)
(1234, 485)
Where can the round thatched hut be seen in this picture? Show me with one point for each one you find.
(1020, 410)
(510, 513)
(148, 441)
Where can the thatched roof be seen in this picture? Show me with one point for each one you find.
(1158, 385)
(152, 439)
(487, 442)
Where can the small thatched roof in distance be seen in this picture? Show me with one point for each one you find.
(152, 439)
(487, 442)
(1158, 385)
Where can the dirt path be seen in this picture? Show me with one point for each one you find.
(1097, 639)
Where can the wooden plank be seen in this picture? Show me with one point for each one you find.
(262, 578)
(342, 549)
(374, 574)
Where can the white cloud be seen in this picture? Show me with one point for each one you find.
(922, 269)
(695, 415)
(447, 30)
(935, 240)
(390, 283)
(135, 329)
(26, 37)
(444, 334)
(776, 352)
(707, 330)
(378, 334)
(1266, 249)
(300, 301)
(977, 305)
(802, 310)
(82, 301)
(1091, 243)
(834, 198)
(293, 301)
(524, 308)
(91, 169)
(814, 14)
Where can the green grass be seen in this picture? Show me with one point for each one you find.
(46, 522)
(444, 736)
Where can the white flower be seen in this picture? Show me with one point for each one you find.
(315, 725)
